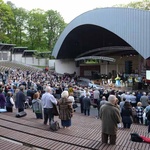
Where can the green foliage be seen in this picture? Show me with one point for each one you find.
(145, 5)
(36, 29)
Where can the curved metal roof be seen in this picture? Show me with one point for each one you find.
(105, 27)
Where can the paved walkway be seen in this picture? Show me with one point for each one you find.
(85, 133)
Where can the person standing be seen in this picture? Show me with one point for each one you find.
(65, 110)
(9, 102)
(86, 104)
(126, 113)
(96, 96)
(110, 116)
(47, 101)
(139, 112)
(144, 100)
(2, 99)
(81, 103)
(148, 115)
(37, 106)
(20, 99)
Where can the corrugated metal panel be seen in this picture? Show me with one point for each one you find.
(132, 25)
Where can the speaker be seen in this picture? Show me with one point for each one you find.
(128, 67)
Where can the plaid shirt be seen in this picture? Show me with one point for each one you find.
(139, 112)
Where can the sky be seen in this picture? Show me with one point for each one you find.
(68, 9)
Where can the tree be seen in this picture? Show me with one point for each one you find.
(35, 29)
(54, 26)
(6, 17)
(145, 5)
(18, 35)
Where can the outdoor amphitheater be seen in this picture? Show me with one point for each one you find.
(29, 133)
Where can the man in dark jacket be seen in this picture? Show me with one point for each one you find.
(86, 104)
(81, 103)
(110, 116)
(20, 99)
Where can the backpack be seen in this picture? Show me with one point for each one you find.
(135, 137)
(54, 126)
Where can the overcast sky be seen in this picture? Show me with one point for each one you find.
(69, 9)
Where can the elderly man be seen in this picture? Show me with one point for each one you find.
(48, 100)
(110, 117)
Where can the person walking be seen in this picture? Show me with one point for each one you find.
(110, 116)
(47, 101)
(65, 110)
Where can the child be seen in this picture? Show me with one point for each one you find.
(37, 106)
(139, 111)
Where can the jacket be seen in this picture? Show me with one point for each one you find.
(20, 99)
(65, 109)
(2, 100)
(110, 116)
(37, 105)
(86, 103)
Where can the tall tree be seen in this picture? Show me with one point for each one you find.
(19, 23)
(6, 17)
(145, 5)
(35, 29)
(54, 26)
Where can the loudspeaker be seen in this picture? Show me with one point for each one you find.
(128, 67)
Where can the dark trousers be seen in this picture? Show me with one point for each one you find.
(127, 125)
(139, 120)
(112, 138)
(81, 108)
(39, 115)
(9, 109)
(48, 115)
(20, 109)
(148, 126)
(88, 111)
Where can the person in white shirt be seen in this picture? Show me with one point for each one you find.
(47, 101)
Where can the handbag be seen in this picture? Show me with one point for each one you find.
(74, 105)
(54, 125)
(55, 110)
(135, 137)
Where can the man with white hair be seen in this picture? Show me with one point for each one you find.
(110, 116)
(144, 100)
(48, 100)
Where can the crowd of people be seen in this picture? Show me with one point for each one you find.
(42, 90)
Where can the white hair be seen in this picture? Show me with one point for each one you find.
(64, 94)
(111, 98)
(48, 89)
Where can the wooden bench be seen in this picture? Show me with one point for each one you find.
(85, 133)
(8, 145)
